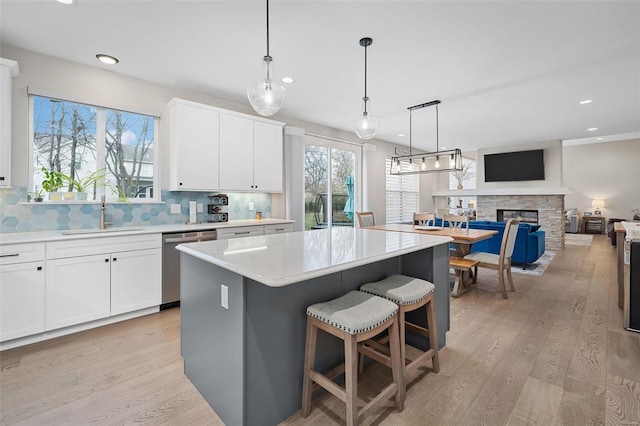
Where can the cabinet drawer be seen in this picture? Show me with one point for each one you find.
(20, 253)
(98, 245)
(244, 231)
(278, 229)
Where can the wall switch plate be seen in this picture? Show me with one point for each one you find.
(224, 296)
(175, 208)
(251, 206)
(199, 207)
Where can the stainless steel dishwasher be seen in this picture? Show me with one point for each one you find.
(171, 263)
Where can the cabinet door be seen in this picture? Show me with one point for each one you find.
(267, 157)
(136, 281)
(5, 122)
(278, 229)
(78, 290)
(239, 232)
(236, 153)
(194, 148)
(22, 300)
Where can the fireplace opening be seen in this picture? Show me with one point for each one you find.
(526, 216)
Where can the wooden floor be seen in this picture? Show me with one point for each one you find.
(554, 353)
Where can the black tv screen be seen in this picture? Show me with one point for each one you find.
(514, 166)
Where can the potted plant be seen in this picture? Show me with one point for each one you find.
(464, 174)
(36, 196)
(82, 184)
(51, 183)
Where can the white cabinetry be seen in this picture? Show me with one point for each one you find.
(250, 154)
(194, 144)
(95, 278)
(278, 229)
(239, 232)
(8, 69)
(78, 290)
(135, 280)
(22, 290)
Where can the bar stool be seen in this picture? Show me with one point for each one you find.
(409, 294)
(354, 317)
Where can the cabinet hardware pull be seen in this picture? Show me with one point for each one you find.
(115, 258)
(39, 268)
(240, 233)
(10, 255)
(106, 260)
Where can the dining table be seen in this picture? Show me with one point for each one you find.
(463, 239)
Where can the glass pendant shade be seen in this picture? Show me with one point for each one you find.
(366, 126)
(265, 95)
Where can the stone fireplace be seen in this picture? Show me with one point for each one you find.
(550, 210)
(526, 216)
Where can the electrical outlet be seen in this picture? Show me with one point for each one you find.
(251, 206)
(175, 208)
(224, 296)
(199, 207)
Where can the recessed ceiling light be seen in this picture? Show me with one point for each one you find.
(287, 80)
(65, 1)
(107, 59)
(401, 134)
(586, 101)
(592, 129)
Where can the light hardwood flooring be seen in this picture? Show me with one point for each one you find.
(554, 353)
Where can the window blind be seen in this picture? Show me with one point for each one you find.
(402, 195)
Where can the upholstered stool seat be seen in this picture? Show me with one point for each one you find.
(354, 317)
(409, 294)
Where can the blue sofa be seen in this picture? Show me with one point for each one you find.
(529, 240)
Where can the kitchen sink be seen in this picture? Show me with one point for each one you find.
(102, 231)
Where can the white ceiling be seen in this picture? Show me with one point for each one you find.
(507, 72)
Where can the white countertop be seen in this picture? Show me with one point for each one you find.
(34, 237)
(632, 229)
(282, 259)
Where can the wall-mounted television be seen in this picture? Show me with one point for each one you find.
(514, 166)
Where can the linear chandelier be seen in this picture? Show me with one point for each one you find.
(426, 162)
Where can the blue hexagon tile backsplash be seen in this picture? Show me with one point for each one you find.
(16, 215)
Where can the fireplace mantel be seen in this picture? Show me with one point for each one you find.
(503, 191)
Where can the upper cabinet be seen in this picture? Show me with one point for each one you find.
(194, 146)
(250, 154)
(8, 70)
(248, 150)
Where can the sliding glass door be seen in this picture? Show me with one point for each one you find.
(332, 176)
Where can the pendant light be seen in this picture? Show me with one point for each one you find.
(265, 95)
(366, 126)
(429, 161)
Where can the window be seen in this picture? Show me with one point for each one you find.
(465, 179)
(402, 195)
(77, 140)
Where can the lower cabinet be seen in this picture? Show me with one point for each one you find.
(135, 278)
(22, 300)
(78, 290)
(239, 232)
(278, 229)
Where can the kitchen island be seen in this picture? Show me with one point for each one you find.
(243, 308)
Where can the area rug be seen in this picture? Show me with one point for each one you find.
(578, 239)
(536, 268)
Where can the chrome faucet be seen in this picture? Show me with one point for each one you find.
(103, 224)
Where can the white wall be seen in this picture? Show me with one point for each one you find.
(609, 171)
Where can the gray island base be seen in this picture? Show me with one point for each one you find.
(247, 360)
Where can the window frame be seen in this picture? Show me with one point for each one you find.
(100, 145)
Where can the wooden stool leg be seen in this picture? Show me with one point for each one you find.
(309, 361)
(433, 335)
(510, 278)
(397, 361)
(501, 281)
(351, 378)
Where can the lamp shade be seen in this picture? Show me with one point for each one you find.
(597, 203)
(265, 95)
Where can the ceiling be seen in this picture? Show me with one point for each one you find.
(507, 72)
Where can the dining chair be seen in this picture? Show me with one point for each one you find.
(424, 219)
(501, 261)
(365, 219)
(456, 221)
